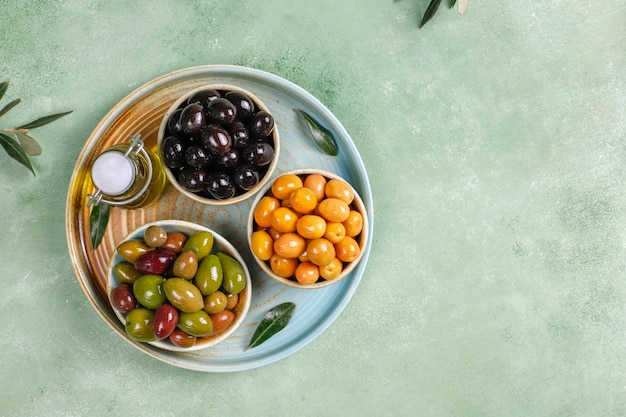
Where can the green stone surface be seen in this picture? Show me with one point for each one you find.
(495, 146)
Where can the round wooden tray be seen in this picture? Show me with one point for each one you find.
(141, 113)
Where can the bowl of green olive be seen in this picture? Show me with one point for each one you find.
(307, 228)
(178, 286)
(219, 144)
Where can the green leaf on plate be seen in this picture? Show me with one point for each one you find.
(98, 221)
(430, 11)
(9, 106)
(28, 144)
(15, 151)
(4, 86)
(44, 120)
(273, 322)
(322, 136)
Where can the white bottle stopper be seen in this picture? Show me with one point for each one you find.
(113, 173)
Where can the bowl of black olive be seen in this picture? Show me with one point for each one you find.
(219, 144)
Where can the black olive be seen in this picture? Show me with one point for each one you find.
(221, 111)
(174, 152)
(197, 157)
(229, 160)
(192, 180)
(220, 186)
(204, 97)
(246, 177)
(216, 139)
(245, 106)
(259, 153)
(262, 124)
(239, 134)
(174, 127)
(192, 119)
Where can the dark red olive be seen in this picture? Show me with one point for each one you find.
(155, 262)
(165, 321)
(122, 298)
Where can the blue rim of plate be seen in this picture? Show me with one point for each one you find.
(315, 309)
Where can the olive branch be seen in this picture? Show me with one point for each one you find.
(17, 141)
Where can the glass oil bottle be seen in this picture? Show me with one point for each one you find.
(127, 175)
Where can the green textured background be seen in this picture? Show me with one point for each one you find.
(495, 146)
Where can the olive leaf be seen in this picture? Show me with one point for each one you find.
(430, 11)
(273, 322)
(4, 86)
(9, 106)
(28, 144)
(44, 120)
(15, 151)
(321, 136)
(434, 6)
(98, 221)
(463, 4)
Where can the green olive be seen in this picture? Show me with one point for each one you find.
(215, 302)
(132, 249)
(155, 236)
(234, 275)
(201, 243)
(126, 273)
(148, 290)
(186, 265)
(196, 324)
(139, 325)
(209, 276)
(183, 295)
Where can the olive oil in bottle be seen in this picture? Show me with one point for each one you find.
(127, 175)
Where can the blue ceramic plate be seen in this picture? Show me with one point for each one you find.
(315, 309)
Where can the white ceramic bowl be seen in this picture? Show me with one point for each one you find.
(348, 267)
(219, 244)
(237, 198)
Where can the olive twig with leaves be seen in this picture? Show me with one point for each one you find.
(17, 142)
